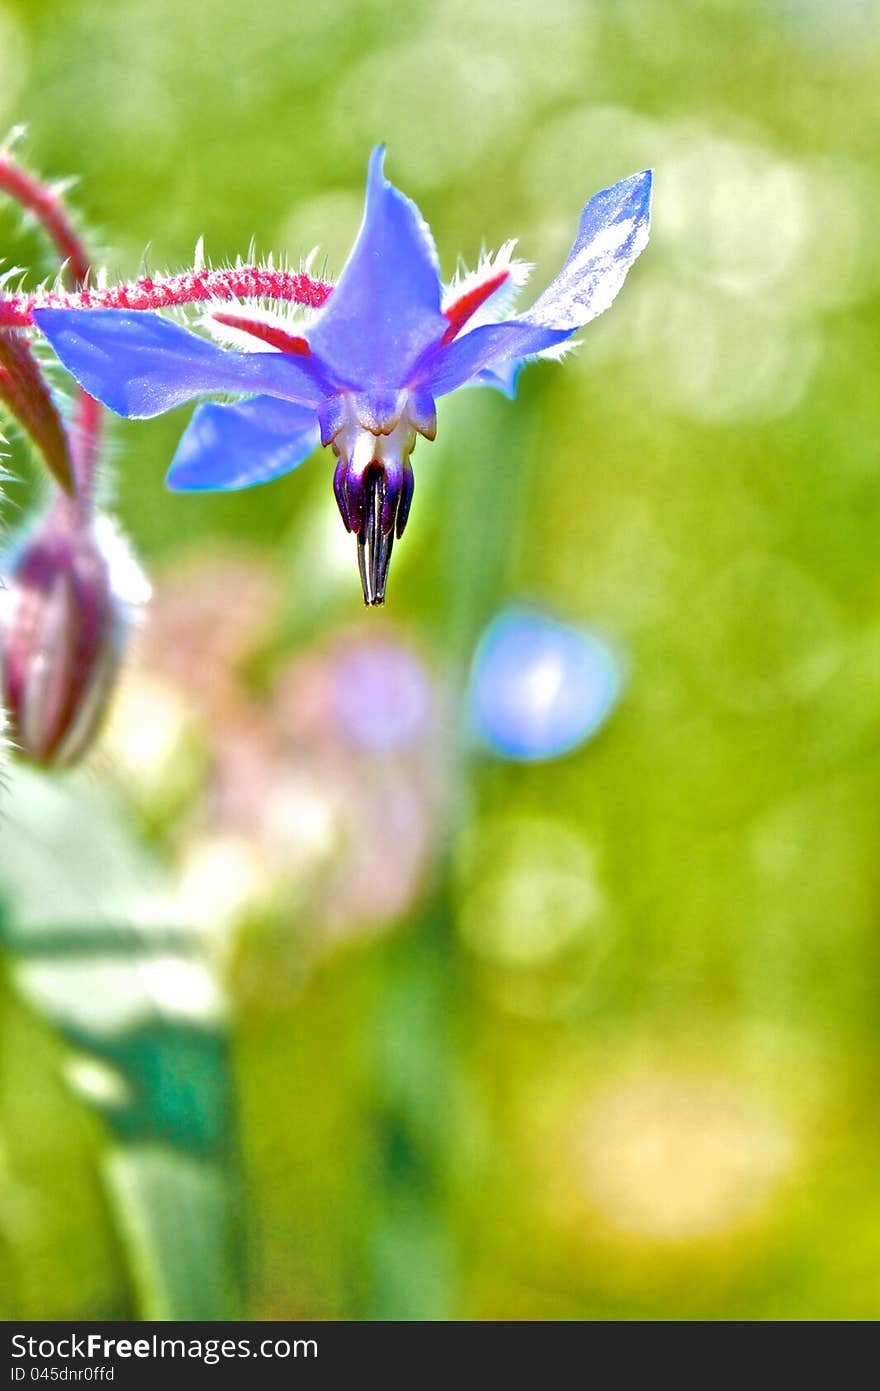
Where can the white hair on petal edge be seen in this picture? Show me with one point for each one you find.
(287, 317)
(499, 303)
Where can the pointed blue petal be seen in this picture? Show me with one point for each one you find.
(139, 364)
(613, 231)
(385, 310)
(494, 347)
(227, 447)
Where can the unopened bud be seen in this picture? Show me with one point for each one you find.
(64, 615)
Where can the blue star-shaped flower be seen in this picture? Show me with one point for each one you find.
(364, 375)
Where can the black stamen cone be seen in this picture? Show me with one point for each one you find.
(374, 544)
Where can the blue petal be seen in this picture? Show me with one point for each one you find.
(139, 364)
(226, 447)
(496, 347)
(385, 310)
(613, 231)
(502, 377)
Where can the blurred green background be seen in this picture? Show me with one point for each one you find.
(592, 1039)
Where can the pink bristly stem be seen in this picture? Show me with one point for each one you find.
(73, 457)
(24, 389)
(47, 207)
(191, 287)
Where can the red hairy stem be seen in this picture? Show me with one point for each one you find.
(24, 391)
(191, 287)
(47, 207)
(23, 388)
(85, 444)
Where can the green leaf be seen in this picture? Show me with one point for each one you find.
(96, 948)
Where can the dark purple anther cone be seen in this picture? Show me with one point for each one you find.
(375, 505)
(61, 638)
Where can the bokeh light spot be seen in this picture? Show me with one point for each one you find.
(221, 879)
(540, 688)
(677, 1158)
(381, 694)
(530, 890)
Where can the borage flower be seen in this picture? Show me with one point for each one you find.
(363, 374)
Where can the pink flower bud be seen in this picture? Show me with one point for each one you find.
(64, 617)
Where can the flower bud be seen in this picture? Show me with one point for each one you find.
(64, 616)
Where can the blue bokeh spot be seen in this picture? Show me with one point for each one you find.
(540, 688)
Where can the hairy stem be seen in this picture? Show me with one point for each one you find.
(47, 207)
(72, 459)
(24, 391)
(190, 287)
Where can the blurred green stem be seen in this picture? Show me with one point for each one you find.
(420, 1022)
